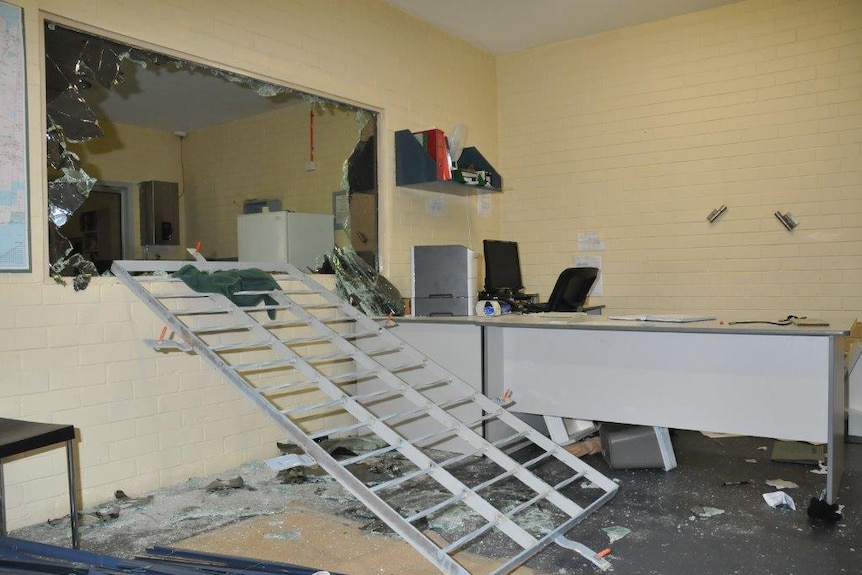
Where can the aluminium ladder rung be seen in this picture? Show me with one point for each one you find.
(317, 305)
(261, 365)
(353, 375)
(327, 357)
(306, 340)
(408, 366)
(312, 406)
(340, 429)
(284, 323)
(279, 387)
(360, 334)
(265, 307)
(239, 346)
(370, 454)
(412, 376)
(221, 328)
(201, 311)
(384, 350)
(269, 292)
(340, 319)
(183, 296)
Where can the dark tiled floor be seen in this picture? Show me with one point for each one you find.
(749, 537)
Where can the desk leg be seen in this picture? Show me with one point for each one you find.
(2, 503)
(835, 446)
(73, 493)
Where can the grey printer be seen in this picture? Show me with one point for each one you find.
(445, 280)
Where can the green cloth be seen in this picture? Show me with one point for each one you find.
(229, 282)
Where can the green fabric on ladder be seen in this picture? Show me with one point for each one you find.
(229, 282)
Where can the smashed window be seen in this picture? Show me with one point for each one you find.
(79, 65)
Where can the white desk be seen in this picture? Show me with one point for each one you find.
(784, 382)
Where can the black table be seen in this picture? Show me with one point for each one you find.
(17, 437)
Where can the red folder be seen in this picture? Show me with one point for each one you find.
(435, 144)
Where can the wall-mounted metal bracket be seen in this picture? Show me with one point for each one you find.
(788, 220)
(716, 213)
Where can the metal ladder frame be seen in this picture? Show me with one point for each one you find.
(367, 366)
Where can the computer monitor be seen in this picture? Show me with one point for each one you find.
(502, 267)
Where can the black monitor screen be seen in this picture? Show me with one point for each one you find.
(502, 266)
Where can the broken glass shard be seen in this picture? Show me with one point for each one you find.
(71, 113)
(67, 193)
(363, 286)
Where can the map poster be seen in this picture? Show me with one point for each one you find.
(14, 198)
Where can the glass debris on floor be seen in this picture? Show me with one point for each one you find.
(130, 524)
(781, 484)
(705, 512)
(616, 532)
(225, 484)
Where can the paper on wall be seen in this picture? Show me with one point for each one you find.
(590, 242)
(483, 204)
(592, 262)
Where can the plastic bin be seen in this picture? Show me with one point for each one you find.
(631, 447)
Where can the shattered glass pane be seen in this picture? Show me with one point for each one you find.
(56, 79)
(102, 58)
(66, 263)
(67, 193)
(71, 113)
(56, 147)
(59, 246)
(363, 286)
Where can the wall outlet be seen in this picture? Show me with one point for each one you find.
(434, 207)
(310, 167)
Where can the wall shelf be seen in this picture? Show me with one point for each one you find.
(415, 168)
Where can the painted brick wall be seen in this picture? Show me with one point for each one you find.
(639, 133)
(263, 156)
(130, 155)
(148, 420)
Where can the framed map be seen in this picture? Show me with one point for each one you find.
(14, 196)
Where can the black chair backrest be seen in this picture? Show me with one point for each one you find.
(571, 290)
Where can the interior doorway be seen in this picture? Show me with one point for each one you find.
(99, 229)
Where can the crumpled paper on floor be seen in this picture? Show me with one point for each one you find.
(779, 499)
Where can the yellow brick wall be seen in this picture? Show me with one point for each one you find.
(640, 133)
(263, 156)
(130, 154)
(147, 420)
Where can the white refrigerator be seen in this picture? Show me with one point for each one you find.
(298, 239)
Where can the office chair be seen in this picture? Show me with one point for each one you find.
(571, 290)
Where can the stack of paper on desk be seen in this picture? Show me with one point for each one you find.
(664, 318)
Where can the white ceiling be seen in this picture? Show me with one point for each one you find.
(504, 26)
(188, 100)
(178, 100)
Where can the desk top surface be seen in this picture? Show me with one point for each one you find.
(836, 327)
(18, 436)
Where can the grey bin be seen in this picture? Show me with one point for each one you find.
(631, 447)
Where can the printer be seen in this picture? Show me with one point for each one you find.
(445, 280)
